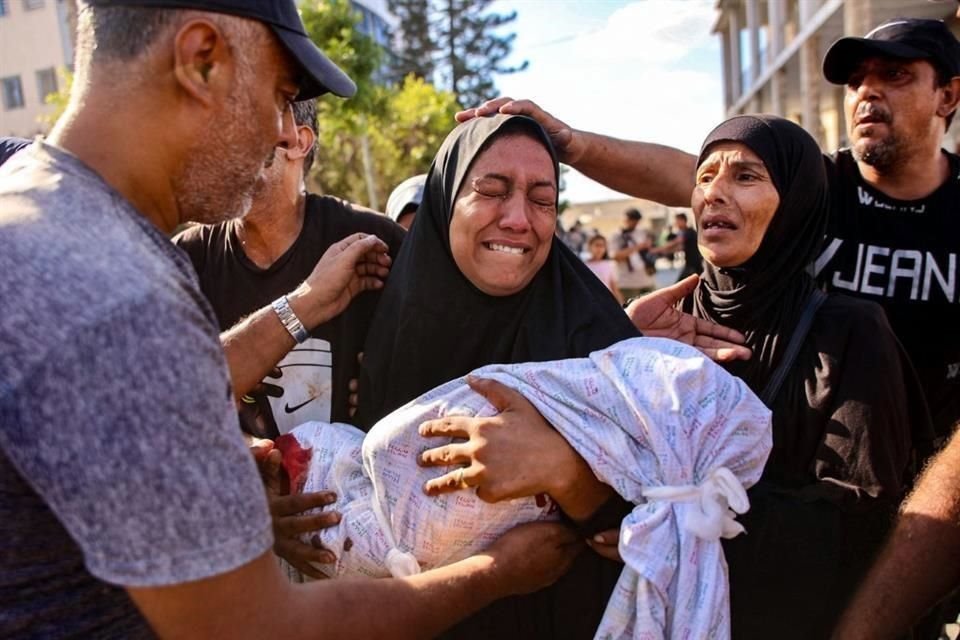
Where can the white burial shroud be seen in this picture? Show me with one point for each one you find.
(664, 426)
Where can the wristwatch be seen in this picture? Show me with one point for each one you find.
(290, 320)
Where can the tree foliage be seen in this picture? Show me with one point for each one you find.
(386, 133)
(417, 120)
(58, 98)
(416, 48)
(332, 25)
(472, 51)
(455, 42)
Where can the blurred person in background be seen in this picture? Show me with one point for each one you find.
(404, 200)
(631, 246)
(600, 263)
(685, 240)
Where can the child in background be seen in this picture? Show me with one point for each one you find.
(601, 264)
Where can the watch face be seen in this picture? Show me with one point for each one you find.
(305, 384)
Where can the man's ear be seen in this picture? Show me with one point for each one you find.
(203, 62)
(951, 97)
(305, 139)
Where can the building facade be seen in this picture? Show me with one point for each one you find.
(35, 46)
(773, 51)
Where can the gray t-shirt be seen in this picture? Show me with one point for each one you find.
(121, 460)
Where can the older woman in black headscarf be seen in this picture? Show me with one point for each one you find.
(843, 395)
(482, 279)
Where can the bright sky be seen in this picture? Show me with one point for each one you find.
(643, 69)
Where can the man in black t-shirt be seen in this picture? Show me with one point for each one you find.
(895, 222)
(894, 235)
(247, 263)
(684, 240)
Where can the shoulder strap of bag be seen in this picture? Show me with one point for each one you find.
(814, 301)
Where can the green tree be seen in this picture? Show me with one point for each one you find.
(386, 133)
(406, 138)
(416, 51)
(472, 50)
(455, 42)
(58, 99)
(343, 166)
(332, 25)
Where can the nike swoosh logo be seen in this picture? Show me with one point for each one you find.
(288, 409)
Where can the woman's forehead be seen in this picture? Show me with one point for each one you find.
(730, 151)
(514, 152)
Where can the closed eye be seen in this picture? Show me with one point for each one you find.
(491, 187)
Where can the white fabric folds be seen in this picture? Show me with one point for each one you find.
(667, 428)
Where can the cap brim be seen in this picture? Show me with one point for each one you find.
(320, 75)
(846, 54)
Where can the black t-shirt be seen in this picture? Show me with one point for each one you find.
(693, 263)
(903, 255)
(315, 374)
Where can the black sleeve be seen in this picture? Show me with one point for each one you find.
(608, 516)
(877, 412)
(375, 222)
(191, 242)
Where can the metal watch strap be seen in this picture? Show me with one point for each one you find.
(290, 320)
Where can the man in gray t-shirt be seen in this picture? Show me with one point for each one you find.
(110, 435)
(128, 502)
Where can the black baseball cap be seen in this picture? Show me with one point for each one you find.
(903, 38)
(320, 75)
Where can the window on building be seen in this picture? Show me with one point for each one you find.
(12, 93)
(3, 8)
(46, 82)
(30, 5)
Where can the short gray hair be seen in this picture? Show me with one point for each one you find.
(305, 115)
(121, 33)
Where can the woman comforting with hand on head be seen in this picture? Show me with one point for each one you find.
(847, 398)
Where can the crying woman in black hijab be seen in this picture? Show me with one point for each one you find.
(843, 395)
(481, 279)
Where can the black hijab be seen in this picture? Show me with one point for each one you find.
(764, 297)
(433, 325)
